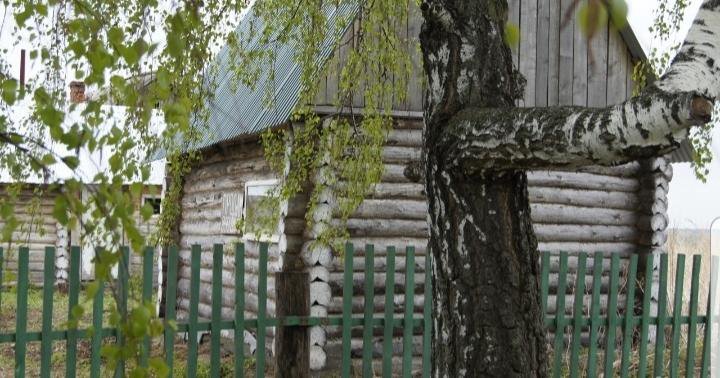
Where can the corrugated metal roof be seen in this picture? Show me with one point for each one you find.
(683, 154)
(243, 110)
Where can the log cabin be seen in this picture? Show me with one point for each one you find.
(35, 200)
(613, 210)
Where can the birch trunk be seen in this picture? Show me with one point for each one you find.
(487, 319)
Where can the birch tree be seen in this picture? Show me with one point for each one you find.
(487, 319)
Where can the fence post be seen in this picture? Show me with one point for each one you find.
(293, 342)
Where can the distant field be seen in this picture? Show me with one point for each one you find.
(692, 242)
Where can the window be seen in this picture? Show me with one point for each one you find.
(154, 202)
(255, 191)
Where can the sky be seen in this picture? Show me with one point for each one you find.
(692, 204)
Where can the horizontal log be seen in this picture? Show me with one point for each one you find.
(392, 209)
(580, 180)
(387, 227)
(605, 248)
(585, 198)
(584, 233)
(394, 173)
(251, 299)
(564, 214)
(227, 168)
(392, 154)
(380, 263)
(228, 279)
(379, 283)
(590, 263)
(632, 169)
(587, 300)
(358, 304)
(404, 137)
(397, 190)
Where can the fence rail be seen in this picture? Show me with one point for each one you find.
(617, 342)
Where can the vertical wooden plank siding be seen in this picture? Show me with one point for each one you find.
(409, 307)
(543, 59)
(560, 315)
(193, 320)
(216, 307)
(528, 48)
(612, 314)
(554, 53)
(661, 317)
(122, 287)
(262, 311)
(677, 312)
(629, 316)
(595, 314)
(711, 301)
(347, 310)
(427, 316)
(389, 313)
(597, 69)
(239, 332)
(73, 291)
(96, 342)
(645, 320)
(147, 281)
(617, 68)
(580, 67)
(170, 306)
(578, 318)
(692, 326)
(47, 311)
(566, 63)
(367, 353)
(21, 321)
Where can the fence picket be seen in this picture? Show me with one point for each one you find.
(645, 319)
(544, 286)
(194, 301)
(661, 316)
(147, 281)
(262, 311)
(21, 321)
(97, 320)
(612, 315)
(347, 310)
(47, 311)
(710, 318)
(578, 319)
(170, 307)
(73, 292)
(239, 331)
(595, 314)
(217, 280)
(629, 320)
(122, 285)
(389, 313)
(692, 326)
(560, 315)
(677, 313)
(427, 317)
(409, 307)
(367, 352)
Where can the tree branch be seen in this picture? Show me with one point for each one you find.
(655, 122)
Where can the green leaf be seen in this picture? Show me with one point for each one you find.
(618, 13)
(71, 161)
(60, 210)
(157, 364)
(512, 35)
(9, 91)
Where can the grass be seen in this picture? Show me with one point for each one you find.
(8, 301)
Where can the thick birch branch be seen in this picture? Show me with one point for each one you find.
(655, 122)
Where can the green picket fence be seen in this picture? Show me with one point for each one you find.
(634, 330)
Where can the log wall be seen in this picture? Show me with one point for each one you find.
(212, 202)
(37, 230)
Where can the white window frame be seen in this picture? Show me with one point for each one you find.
(267, 186)
(150, 196)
